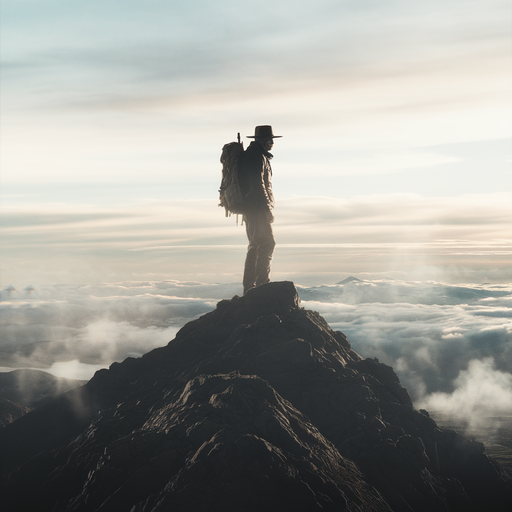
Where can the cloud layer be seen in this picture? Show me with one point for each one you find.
(93, 325)
(450, 345)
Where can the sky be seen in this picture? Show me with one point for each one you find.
(395, 116)
(395, 166)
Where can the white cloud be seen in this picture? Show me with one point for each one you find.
(95, 325)
(452, 335)
(482, 394)
(74, 369)
(429, 332)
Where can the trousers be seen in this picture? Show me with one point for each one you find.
(260, 249)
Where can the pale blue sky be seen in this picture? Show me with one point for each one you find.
(118, 109)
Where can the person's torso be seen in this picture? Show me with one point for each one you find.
(257, 176)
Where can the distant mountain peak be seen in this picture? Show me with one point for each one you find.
(350, 279)
(257, 405)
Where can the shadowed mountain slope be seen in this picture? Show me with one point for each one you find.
(258, 405)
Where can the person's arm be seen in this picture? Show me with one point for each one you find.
(257, 196)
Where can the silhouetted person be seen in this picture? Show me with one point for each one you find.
(256, 185)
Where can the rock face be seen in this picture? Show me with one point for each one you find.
(255, 406)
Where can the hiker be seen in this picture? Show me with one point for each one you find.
(256, 187)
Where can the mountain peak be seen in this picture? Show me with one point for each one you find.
(257, 405)
(350, 279)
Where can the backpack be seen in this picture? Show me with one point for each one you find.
(230, 193)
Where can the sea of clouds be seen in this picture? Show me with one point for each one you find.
(450, 345)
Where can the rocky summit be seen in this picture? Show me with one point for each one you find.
(256, 406)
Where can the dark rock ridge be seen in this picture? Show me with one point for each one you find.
(256, 406)
(24, 390)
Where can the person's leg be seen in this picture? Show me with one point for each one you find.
(265, 250)
(249, 279)
(260, 250)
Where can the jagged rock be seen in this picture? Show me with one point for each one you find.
(258, 405)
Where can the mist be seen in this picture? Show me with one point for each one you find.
(482, 396)
(62, 328)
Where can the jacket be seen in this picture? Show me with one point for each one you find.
(256, 178)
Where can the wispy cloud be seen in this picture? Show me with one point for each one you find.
(329, 59)
(434, 238)
(147, 94)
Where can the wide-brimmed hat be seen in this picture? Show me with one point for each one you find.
(263, 132)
